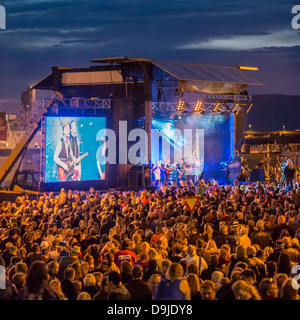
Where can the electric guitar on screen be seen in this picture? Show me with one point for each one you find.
(63, 174)
(168, 170)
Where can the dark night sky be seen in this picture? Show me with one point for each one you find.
(46, 33)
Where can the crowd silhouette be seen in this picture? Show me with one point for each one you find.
(240, 243)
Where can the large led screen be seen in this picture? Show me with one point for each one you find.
(203, 140)
(72, 150)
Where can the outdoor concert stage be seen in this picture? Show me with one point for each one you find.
(129, 114)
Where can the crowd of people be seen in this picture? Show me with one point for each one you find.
(240, 243)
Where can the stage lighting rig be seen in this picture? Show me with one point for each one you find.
(217, 107)
(224, 108)
(199, 107)
(181, 106)
(236, 108)
(249, 108)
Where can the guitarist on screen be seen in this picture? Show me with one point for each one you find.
(76, 151)
(63, 152)
(64, 157)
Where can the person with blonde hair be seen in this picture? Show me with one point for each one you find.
(89, 285)
(289, 173)
(192, 257)
(194, 283)
(120, 224)
(90, 260)
(107, 248)
(225, 258)
(268, 250)
(145, 246)
(243, 239)
(211, 247)
(109, 259)
(239, 256)
(55, 283)
(111, 233)
(84, 296)
(243, 291)
(173, 286)
(208, 232)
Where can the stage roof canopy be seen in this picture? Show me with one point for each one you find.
(197, 72)
(192, 71)
(178, 70)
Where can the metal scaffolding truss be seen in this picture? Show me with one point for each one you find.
(76, 103)
(190, 107)
(217, 97)
(42, 150)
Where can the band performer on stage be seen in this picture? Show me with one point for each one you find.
(181, 169)
(166, 169)
(189, 169)
(157, 173)
(282, 178)
(289, 173)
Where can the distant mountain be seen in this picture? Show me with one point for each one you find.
(272, 111)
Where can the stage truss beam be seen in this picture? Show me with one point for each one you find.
(75, 103)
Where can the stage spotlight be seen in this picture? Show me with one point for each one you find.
(199, 107)
(216, 107)
(249, 108)
(181, 105)
(236, 108)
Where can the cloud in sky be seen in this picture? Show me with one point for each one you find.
(279, 38)
(45, 33)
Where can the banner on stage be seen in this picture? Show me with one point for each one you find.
(210, 87)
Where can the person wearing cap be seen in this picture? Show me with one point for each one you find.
(65, 261)
(233, 235)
